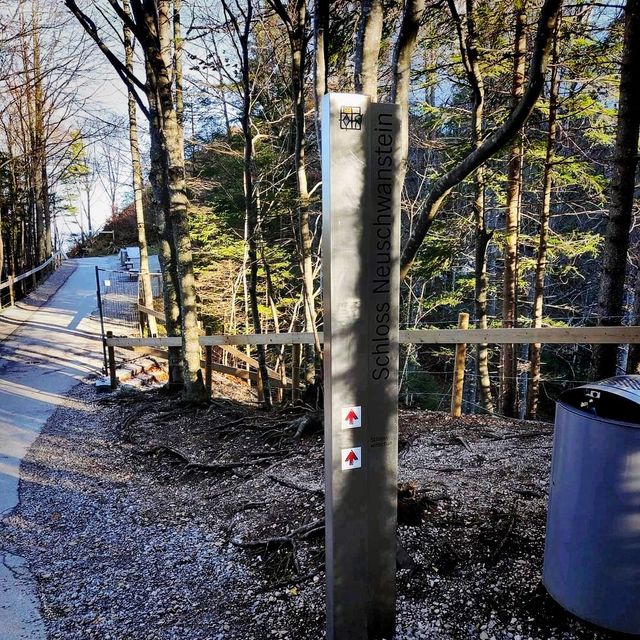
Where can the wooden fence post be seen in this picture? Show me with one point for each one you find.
(280, 391)
(12, 293)
(208, 361)
(295, 372)
(142, 316)
(111, 355)
(458, 369)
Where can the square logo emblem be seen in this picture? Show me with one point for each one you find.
(351, 118)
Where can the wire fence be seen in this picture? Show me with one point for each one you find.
(427, 376)
(426, 371)
(119, 296)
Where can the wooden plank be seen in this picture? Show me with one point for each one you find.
(160, 352)
(244, 374)
(546, 335)
(236, 353)
(158, 315)
(239, 355)
(261, 338)
(158, 343)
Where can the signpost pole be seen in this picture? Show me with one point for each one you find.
(361, 229)
(100, 309)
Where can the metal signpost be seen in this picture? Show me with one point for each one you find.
(360, 253)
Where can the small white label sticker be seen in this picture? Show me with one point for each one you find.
(351, 458)
(107, 283)
(351, 417)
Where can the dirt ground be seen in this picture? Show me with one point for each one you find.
(142, 518)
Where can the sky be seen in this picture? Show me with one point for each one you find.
(104, 99)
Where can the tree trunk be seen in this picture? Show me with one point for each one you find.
(136, 166)
(40, 154)
(177, 62)
(469, 52)
(3, 216)
(173, 146)
(509, 357)
(295, 25)
(35, 219)
(482, 238)
(167, 267)
(541, 258)
(321, 59)
(253, 226)
(625, 159)
(87, 188)
(368, 48)
(401, 65)
(312, 353)
(633, 360)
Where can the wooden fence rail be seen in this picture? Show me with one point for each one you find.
(56, 258)
(460, 337)
(545, 335)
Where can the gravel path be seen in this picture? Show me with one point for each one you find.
(128, 538)
(103, 569)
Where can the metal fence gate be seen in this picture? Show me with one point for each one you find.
(118, 301)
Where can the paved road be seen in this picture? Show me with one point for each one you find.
(46, 352)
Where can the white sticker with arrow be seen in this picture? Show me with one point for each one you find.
(351, 458)
(351, 417)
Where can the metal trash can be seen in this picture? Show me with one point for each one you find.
(592, 548)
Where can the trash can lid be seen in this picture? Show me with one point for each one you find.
(616, 398)
(626, 386)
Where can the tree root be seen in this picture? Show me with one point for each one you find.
(277, 541)
(292, 485)
(199, 466)
(505, 538)
(304, 532)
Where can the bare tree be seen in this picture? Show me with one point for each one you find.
(294, 19)
(152, 25)
(243, 33)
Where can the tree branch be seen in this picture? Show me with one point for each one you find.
(130, 80)
(494, 142)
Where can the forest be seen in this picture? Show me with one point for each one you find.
(520, 149)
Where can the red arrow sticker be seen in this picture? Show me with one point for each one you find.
(351, 417)
(351, 458)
